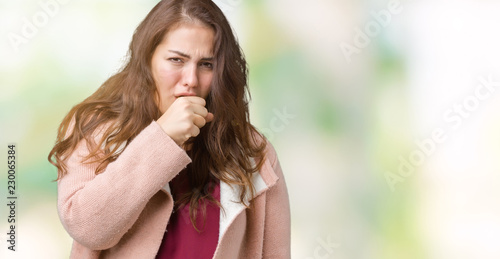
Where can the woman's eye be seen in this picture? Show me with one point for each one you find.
(175, 60)
(207, 65)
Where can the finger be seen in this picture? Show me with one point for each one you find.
(199, 110)
(199, 121)
(210, 117)
(195, 131)
(195, 100)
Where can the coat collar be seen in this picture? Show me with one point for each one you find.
(230, 195)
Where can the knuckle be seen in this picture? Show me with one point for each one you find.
(185, 105)
(182, 102)
(185, 127)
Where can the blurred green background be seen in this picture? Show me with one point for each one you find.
(350, 93)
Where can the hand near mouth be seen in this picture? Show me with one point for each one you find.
(184, 118)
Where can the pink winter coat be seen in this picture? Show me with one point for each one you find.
(123, 212)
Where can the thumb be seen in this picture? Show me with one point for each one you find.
(210, 117)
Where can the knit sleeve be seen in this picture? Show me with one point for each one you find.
(97, 210)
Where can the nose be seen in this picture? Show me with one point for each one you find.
(190, 76)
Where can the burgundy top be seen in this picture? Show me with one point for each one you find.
(181, 240)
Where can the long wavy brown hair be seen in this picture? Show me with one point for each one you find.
(125, 104)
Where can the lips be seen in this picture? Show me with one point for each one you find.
(184, 94)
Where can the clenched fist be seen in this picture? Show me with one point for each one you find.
(184, 118)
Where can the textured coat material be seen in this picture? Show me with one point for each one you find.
(123, 212)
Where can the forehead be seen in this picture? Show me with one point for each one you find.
(191, 38)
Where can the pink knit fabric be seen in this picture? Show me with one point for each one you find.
(123, 212)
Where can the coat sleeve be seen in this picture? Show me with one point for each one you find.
(277, 219)
(97, 210)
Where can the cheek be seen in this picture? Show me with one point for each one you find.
(205, 84)
(165, 78)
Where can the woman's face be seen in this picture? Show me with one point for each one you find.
(182, 64)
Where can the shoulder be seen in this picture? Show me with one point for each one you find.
(269, 150)
(269, 154)
(84, 128)
(85, 139)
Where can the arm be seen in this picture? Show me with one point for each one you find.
(97, 210)
(277, 222)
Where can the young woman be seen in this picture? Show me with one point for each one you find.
(162, 161)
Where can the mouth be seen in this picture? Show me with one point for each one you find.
(184, 95)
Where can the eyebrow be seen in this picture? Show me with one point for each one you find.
(187, 56)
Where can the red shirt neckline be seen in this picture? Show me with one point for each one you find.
(181, 240)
